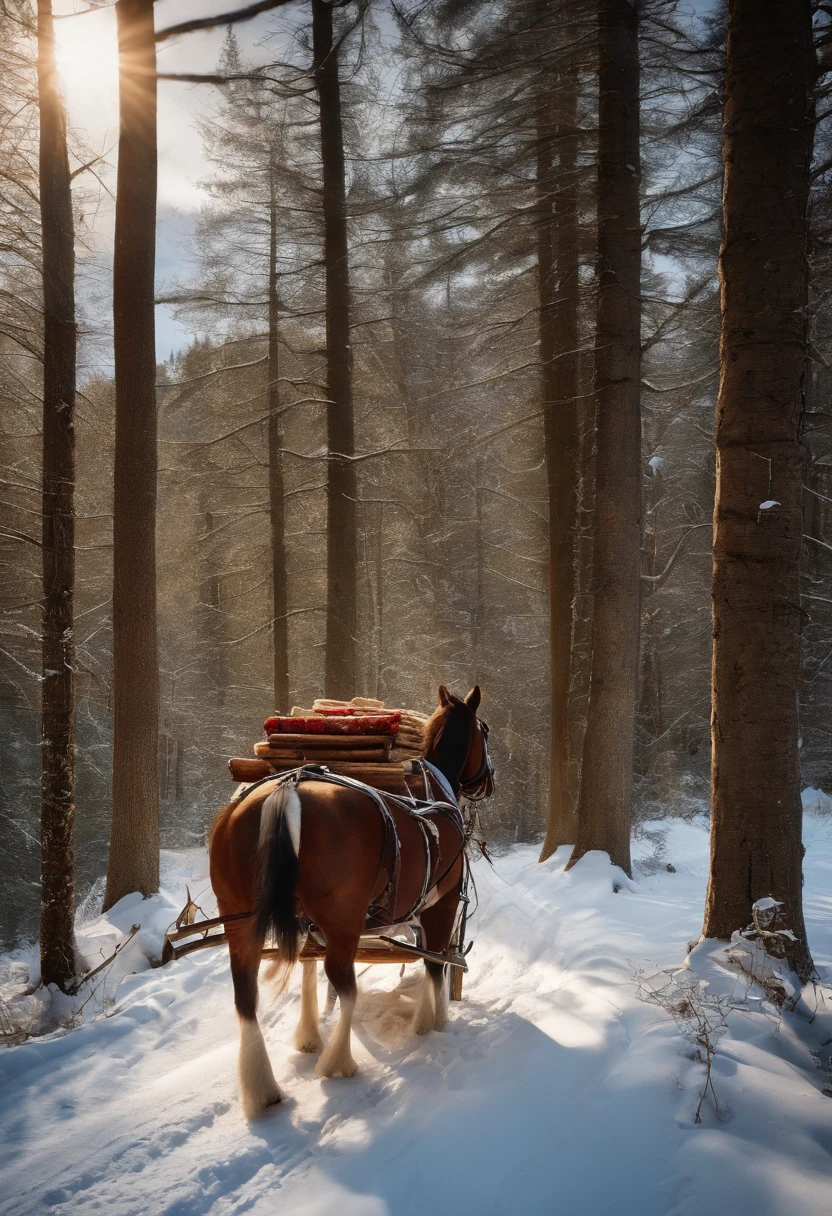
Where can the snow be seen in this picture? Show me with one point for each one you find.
(555, 1088)
(767, 904)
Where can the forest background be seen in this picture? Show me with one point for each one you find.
(441, 117)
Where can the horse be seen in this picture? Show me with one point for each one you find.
(327, 853)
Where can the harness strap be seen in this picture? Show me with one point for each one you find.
(381, 911)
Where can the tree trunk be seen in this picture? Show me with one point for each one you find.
(342, 549)
(557, 237)
(57, 939)
(582, 618)
(650, 761)
(756, 846)
(277, 507)
(605, 804)
(134, 840)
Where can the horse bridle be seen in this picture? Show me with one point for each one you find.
(481, 785)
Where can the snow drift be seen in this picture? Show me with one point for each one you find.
(555, 1088)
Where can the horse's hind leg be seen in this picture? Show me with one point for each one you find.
(307, 1035)
(336, 1060)
(258, 1088)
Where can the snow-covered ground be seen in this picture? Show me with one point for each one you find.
(555, 1088)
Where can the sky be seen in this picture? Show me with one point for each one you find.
(89, 70)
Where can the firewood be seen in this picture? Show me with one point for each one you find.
(377, 755)
(388, 777)
(405, 739)
(402, 754)
(243, 768)
(368, 768)
(321, 755)
(409, 728)
(317, 743)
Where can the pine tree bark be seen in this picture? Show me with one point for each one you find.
(134, 840)
(756, 847)
(342, 547)
(57, 939)
(277, 507)
(605, 803)
(557, 257)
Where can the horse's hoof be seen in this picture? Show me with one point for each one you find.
(254, 1108)
(313, 1047)
(345, 1069)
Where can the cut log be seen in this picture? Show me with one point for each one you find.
(359, 755)
(401, 754)
(243, 768)
(322, 755)
(319, 743)
(389, 777)
(371, 723)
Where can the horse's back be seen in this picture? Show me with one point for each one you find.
(344, 855)
(341, 840)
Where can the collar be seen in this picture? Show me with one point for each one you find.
(444, 784)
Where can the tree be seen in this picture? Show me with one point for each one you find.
(516, 107)
(756, 846)
(277, 507)
(134, 840)
(57, 940)
(605, 806)
(342, 543)
(558, 270)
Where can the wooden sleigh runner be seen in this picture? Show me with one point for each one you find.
(187, 935)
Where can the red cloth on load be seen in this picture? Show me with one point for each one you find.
(354, 724)
(338, 711)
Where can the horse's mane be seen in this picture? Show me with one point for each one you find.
(445, 743)
(433, 728)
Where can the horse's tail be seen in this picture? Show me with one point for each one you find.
(275, 909)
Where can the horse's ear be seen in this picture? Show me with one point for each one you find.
(444, 697)
(473, 698)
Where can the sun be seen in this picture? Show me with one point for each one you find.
(86, 51)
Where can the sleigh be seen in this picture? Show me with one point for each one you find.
(188, 935)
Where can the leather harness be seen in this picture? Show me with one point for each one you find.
(438, 800)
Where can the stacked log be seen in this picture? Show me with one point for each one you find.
(362, 739)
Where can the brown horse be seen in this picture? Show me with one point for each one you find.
(323, 851)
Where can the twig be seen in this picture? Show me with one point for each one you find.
(89, 974)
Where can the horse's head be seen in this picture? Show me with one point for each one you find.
(457, 743)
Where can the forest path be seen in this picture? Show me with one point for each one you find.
(553, 1089)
